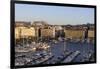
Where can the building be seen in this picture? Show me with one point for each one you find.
(91, 36)
(73, 34)
(47, 33)
(24, 32)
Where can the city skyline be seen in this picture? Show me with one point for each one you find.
(54, 15)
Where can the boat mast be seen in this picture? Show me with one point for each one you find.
(64, 46)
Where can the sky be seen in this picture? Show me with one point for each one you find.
(54, 15)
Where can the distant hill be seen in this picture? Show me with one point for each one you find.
(22, 23)
(40, 23)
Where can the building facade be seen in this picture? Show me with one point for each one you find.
(24, 32)
(72, 34)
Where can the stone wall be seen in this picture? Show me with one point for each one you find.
(74, 33)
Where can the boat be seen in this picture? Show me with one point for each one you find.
(71, 57)
(43, 59)
(87, 57)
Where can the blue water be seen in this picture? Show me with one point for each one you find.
(84, 48)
